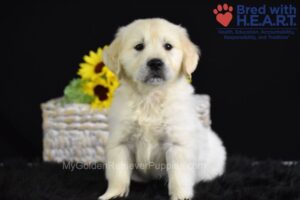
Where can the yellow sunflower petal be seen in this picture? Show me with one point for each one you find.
(88, 88)
(95, 56)
(86, 71)
(96, 104)
(85, 65)
(99, 52)
(90, 60)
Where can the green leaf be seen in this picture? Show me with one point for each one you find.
(73, 93)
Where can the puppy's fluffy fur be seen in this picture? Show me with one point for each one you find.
(155, 131)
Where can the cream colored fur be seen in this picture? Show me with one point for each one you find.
(155, 131)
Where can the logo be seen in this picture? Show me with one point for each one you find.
(256, 22)
(223, 14)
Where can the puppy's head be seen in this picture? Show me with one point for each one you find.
(151, 51)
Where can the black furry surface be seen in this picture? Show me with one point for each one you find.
(244, 179)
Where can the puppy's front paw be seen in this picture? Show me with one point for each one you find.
(180, 193)
(181, 197)
(114, 193)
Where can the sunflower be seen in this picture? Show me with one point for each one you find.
(93, 67)
(96, 84)
(101, 90)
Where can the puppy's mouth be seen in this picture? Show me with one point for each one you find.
(155, 78)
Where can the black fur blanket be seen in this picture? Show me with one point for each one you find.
(244, 179)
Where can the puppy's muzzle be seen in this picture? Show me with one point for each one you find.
(156, 71)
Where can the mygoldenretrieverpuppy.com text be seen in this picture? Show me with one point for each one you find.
(72, 166)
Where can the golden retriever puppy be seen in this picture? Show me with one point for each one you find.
(154, 126)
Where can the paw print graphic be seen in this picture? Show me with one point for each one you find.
(223, 14)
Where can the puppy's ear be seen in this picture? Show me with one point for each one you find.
(191, 54)
(111, 55)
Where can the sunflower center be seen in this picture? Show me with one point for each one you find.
(101, 92)
(99, 67)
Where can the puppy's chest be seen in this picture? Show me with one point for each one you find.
(147, 123)
(146, 138)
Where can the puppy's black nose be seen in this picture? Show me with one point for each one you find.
(155, 64)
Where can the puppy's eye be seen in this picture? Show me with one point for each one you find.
(139, 47)
(168, 46)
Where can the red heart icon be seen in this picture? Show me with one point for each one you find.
(224, 19)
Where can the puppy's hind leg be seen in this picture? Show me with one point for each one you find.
(118, 172)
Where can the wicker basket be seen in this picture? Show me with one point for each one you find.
(76, 132)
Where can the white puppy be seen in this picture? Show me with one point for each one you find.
(154, 126)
